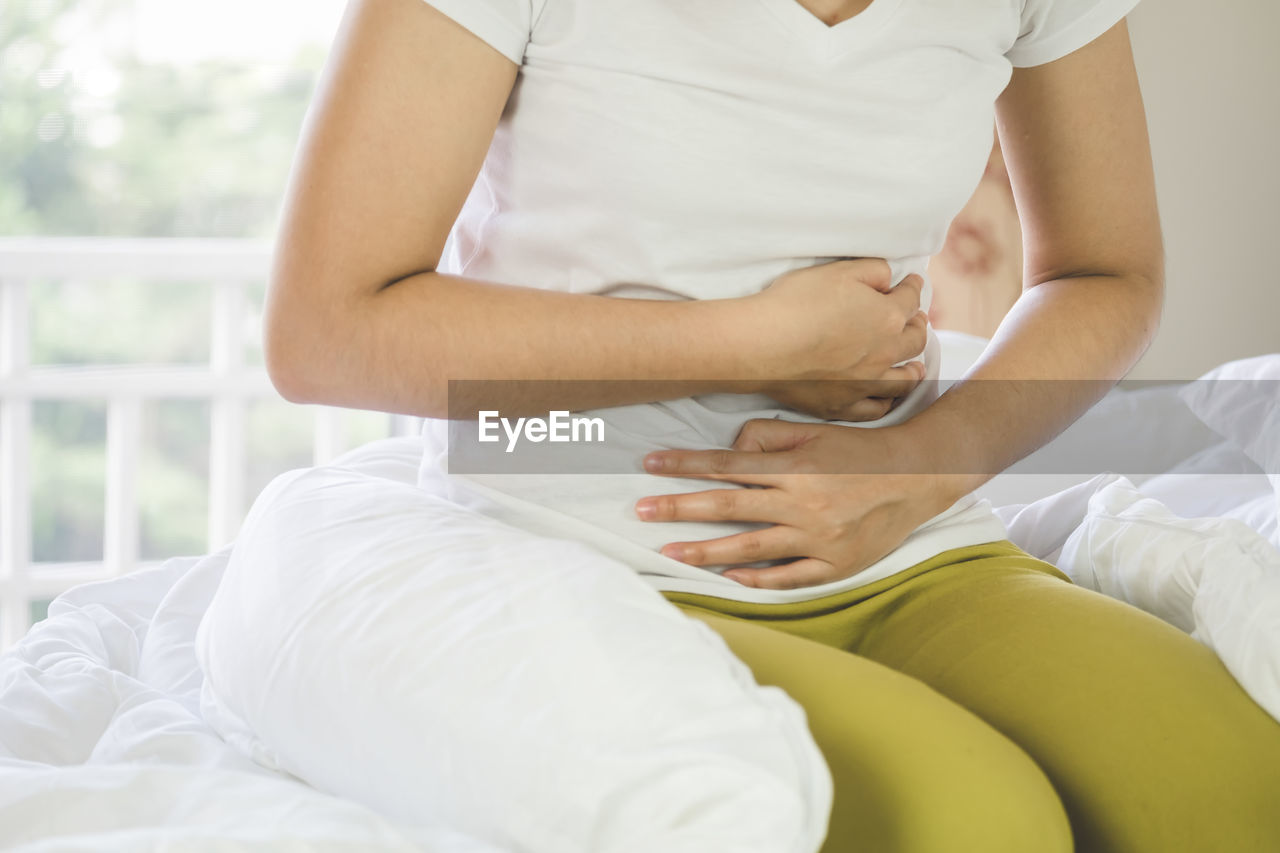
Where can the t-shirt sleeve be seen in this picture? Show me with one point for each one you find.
(504, 25)
(1050, 29)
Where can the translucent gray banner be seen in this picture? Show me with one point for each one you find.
(1207, 426)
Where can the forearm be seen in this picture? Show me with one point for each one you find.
(1063, 345)
(396, 349)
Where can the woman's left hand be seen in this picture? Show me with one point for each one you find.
(839, 499)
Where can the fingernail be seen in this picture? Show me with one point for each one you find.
(654, 462)
(675, 552)
(646, 510)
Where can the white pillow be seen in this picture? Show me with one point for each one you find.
(390, 458)
(387, 646)
(1240, 400)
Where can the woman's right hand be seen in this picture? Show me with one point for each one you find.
(838, 329)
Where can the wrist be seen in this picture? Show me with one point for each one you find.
(759, 362)
(949, 464)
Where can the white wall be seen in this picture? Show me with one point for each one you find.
(1210, 77)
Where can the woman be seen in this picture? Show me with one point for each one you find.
(709, 223)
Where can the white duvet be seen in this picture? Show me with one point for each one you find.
(102, 746)
(352, 701)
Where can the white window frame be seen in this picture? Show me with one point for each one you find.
(227, 382)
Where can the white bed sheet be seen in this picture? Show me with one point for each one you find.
(102, 746)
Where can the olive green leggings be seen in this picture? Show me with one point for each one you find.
(980, 701)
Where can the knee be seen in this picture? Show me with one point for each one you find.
(943, 794)
(995, 807)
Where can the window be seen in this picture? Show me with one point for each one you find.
(144, 147)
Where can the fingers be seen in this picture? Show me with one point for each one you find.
(915, 334)
(759, 469)
(771, 435)
(806, 572)
(900, 381)
(907, 294)
(868, 409)
(891, 388)
(873, 271)
(769, 543)
(715, 505)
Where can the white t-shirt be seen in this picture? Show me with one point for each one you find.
(672, 149)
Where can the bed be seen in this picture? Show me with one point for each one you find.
(106, 736)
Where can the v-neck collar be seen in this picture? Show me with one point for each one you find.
(829, 42)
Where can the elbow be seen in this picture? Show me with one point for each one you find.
(1141, 316)
(290, 350)
(284, 368)
(1144, 295)
(288, 385)
(1150, 283)
(315, 356)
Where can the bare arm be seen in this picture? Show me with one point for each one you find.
(357, 314)
(1074, 136)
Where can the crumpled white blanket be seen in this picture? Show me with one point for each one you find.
(102, 746)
